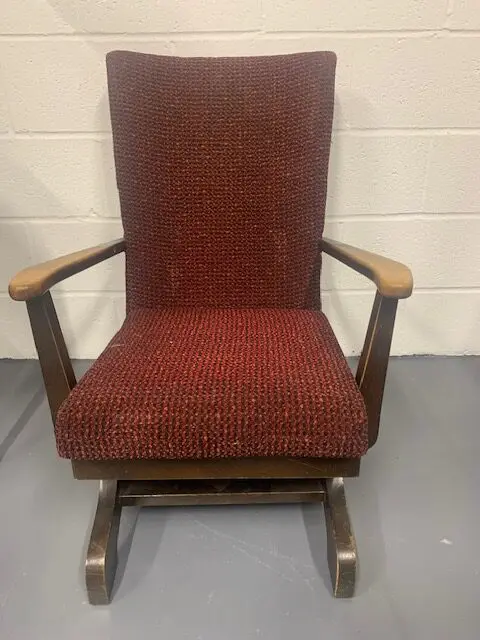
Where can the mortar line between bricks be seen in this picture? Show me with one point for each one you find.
(237, 35)
(128, 36)
(374, 33)
(351, 131)
(331, 218)
(407, 132)
(60, 135)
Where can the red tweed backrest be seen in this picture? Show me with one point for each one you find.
(222, 174)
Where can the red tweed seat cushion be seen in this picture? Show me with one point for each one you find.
(216, 383)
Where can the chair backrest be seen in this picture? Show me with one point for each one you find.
(222, 174)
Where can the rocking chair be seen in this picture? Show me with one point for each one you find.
(225, 384)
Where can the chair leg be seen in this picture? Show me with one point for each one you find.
(101, 561)
(341, 546)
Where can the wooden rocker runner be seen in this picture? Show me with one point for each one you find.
(225, 384)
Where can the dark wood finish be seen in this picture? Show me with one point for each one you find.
(32, 285)
(224, 481)
(101, 561)
(341, 545)
(57, 371)
(393, 279)
(234, 468)
(198, 492)
(37, 280)
(368, 337)
(372, 367)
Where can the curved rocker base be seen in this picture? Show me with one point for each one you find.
(101, 562)
(341, 545)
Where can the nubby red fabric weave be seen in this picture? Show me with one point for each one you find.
(222, 173)
(216, 383)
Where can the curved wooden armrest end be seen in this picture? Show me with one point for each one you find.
(393, 279)
(37, 280)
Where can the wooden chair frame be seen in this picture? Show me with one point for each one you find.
(227, 481)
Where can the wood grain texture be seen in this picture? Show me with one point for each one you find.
(223, 468)
(373, 364)
(146, 493)
(393, 279)
(57, 370)
(341, 545)
(101, 561)
(36, 280)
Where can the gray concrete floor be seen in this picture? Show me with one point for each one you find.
(231, 573)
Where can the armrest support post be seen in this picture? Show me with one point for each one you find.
(372, 366)
(57, 370)
(32, 285)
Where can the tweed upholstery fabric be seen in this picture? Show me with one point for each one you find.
(216, 383)
(222, 174)
(222, 171)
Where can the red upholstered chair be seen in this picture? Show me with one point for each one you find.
(225, 383)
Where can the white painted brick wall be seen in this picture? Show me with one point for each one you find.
(403, 172)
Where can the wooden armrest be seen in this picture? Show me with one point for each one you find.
(37, 280)
(393, 279)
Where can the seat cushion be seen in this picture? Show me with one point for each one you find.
(216, 383)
